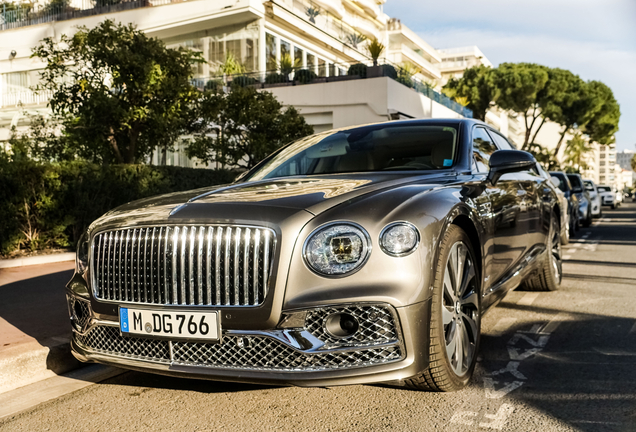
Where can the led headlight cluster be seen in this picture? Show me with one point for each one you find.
(337, 248)
(399, 239)
(81, 256)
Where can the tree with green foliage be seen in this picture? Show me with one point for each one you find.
(575, 153)
(118, 93)
(476, 88)
(521, 87)
(577, 108)
(242, 127)
(603, 123)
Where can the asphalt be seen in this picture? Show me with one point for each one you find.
(555, 361)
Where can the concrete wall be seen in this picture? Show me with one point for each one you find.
(356, 102)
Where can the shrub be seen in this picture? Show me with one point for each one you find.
(243, 81)
(49, 205)
(213, 84)
(389, 71)
(274, 78)
(305, 76)
(357, 69)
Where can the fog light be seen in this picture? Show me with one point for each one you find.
(341, 325)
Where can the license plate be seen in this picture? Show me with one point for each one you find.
(171, 325)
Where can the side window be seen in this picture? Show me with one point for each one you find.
(483, 147)
(501, 142)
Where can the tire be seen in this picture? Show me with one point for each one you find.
(588, 220)
(565, 236)
(577, 223)
(453, 318)
(549, 274)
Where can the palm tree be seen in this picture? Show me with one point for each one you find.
(375, 49)
(576, 151)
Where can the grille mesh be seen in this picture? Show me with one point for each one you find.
(107, 340)
(376, 325)
(183, 265)
(235, 352)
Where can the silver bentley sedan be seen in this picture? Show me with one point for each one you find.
(358, 255)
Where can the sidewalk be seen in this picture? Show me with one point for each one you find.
(34, 324)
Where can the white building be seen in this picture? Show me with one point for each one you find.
(324, 36)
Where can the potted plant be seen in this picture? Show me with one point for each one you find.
(354, 39)
(375, 49)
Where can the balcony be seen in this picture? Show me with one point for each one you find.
(23, 16)
(24, 98)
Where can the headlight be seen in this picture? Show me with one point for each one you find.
(337, 248)
(399, 239)
(81, 256)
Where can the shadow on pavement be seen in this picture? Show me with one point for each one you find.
(36, 306)
(586, 382)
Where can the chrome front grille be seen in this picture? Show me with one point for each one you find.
(250, 352)
(183, 265)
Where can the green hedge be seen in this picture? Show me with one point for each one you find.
(45, 205)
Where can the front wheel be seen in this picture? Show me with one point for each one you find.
(455, 322)
(588, 219)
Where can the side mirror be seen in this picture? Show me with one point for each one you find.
(556, 181)
(241, 175)
(507, 161)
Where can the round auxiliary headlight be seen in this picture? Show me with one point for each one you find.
(337, 248)
(399, 239)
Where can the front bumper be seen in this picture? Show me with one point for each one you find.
(296, 356)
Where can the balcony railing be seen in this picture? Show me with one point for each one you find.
(24, 98)
(268, 79)
(27, 15)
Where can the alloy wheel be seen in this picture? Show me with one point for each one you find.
(460, 308)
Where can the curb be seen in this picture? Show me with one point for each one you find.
(31, 362)
(40, 259)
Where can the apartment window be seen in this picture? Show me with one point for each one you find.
(602, 179)
(602, 163)
(285, 49)
(602, 170)
(18, 82)
(270, 52)
(216, 44)
(298, 57)
(322, 68)
(602, 155)
(311, 62)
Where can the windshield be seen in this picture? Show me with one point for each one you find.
(392, 147)
(604, 189)
(588, 185)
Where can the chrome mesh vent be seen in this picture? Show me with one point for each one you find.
(183, 265)
(79, 311)
(235, 352)
(377, 325)
(108, 340)
(262, 353)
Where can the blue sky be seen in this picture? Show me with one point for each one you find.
(595, 39)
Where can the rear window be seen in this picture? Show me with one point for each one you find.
(565, 183)
(604, 189)
(588, 185)
(575, 181)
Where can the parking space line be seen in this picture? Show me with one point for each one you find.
(554, 323)
(567, 257)
(633, 330)
(527, 299)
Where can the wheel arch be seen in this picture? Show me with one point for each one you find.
(466, 223)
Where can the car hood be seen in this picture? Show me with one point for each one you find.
(266, 200)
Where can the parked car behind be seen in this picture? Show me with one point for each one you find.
(608, 196)
(573, 201)
(585, 211)
(595, 198)
(563, 204)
